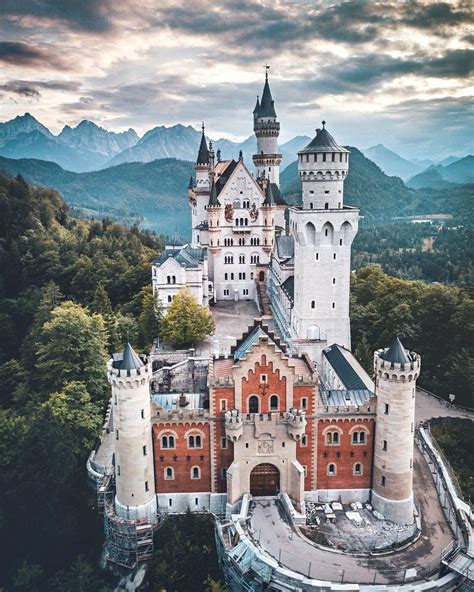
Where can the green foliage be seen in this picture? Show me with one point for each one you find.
(186, 323)
(434, 320)
(151, 314)
(438, 252)
(455, 437)
(72, 346)
(52, 380)
(185, 556)
(154, 191)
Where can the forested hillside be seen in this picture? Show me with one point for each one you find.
(434, 320)
(70, 292)
(441, 251)
(152, 193)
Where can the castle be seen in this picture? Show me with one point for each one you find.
(290, 411)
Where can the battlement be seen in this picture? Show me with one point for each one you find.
(129, 378)
(398, 372)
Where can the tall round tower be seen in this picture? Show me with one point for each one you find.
(267, 129)
(269, 209)
(129, 376)
(396, 372)
(214, 212)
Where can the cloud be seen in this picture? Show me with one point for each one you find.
(29, 88)
(23, 89)
(18, 53)
(85, 15)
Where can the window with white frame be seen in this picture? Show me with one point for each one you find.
(332, 438)
(331, 470)
(359, 437)
(168, 441)
(169, 473)
(194, 441)
(357, 470)
(195, 473)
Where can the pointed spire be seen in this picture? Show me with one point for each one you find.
(270, 194)
(257, 106)
(213, 201)
(203, 154)
(218, 155)
(267, 106)
(191, 183)
(396, 353)
(241, 156)
(130, 360)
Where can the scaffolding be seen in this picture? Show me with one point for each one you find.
(128, 542)
(105, 493)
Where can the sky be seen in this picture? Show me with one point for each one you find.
(397, 73)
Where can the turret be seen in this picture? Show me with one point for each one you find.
(267, 129)
(396, 372)
(323, 167)
(234, 425)
(214, 213)
(296, 420)
(129, 376)
(191, 194)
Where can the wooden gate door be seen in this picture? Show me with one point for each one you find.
(264, 480)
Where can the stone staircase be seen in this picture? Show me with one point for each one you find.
(263, 299)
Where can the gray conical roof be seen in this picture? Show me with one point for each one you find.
(203, 154)
(213, 201)
(267, 105)
(396, 353)
(270, 198)
(323, 142)
(257, 106)
(130, 360)
(191, 183)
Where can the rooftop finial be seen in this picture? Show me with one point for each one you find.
(267, 67)
(202, 127)
(324, 123)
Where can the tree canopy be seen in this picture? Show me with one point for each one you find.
(186, 323)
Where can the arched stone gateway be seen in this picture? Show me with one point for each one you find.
(264, 480)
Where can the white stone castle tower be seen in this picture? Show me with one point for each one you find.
(130, 376)
(267, 129)
(323, 229)
(396, 372)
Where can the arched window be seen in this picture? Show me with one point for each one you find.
(195, 473)
(253, 404)
(170, 298)
(194, 441)
(313, 304)
(326, 206)
(167, 441)
(228, 259)
(254, 258)
(274, 402)
(241, 258)
(332, 438)
(168, 279)
(358, 437)
(169, 473)
(357, 469)
(310, 233)
(173, 279)
(236, 204)
(331, 470)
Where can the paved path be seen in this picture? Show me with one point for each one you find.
(427, 407)
(296, 553)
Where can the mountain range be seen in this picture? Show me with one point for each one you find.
(395, 165)
(437, 176)
(88, 147)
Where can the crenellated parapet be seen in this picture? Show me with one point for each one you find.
(397, 371)
(296, 420)
(234, 425)
(126, 379)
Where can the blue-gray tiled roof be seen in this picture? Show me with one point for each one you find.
(347, 375)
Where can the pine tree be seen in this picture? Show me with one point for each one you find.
(151, 314)
(101, 304)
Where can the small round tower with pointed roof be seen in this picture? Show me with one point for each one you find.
(396, 372)
(214, 212)
(267, 129)
(129, 376)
